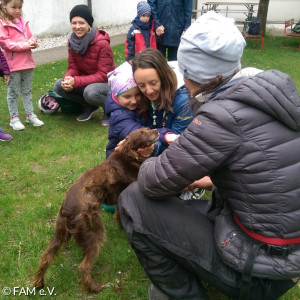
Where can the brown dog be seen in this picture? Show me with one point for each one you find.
(79, 215)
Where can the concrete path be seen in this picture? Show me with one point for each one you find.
(59, 53)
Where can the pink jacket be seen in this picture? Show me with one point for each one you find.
(14, 44)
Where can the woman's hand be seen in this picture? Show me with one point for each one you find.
(146, 152)
(68, 83)
(170, 137)
(203, 183)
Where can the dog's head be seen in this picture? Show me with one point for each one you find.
(140, 138)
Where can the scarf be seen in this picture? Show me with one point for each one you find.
(80, 46)
(142, 25)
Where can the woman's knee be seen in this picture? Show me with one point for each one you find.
(57, 86)
(95, 94)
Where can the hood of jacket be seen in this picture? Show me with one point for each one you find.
(101, 35)
(272, 92)
(110, 105)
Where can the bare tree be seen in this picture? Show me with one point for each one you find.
(262, 13)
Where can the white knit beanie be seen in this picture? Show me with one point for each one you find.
(211, 46)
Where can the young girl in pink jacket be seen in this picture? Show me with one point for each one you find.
(16, 41)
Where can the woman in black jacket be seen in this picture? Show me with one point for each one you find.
(246, 134)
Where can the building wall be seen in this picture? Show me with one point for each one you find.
(50, 18)
(278, 10)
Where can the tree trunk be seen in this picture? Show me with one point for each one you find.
(262, 13)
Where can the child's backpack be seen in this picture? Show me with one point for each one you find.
(296, 28)
(254, 26)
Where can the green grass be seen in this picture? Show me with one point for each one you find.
(40, 164)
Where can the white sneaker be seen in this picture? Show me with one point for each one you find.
(33, 119)
(16, 124)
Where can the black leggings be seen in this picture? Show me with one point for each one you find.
(173, 240)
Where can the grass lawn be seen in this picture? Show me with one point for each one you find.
(40, 164)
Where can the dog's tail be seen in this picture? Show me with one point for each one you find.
(60, 237)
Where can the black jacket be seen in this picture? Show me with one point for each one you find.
(247, 139)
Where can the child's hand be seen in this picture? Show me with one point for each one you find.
(33, 45)
(5, 79)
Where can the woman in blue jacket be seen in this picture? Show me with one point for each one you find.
(165, 104)
(170, 112)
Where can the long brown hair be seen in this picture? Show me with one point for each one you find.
(144, 105)
(152, 58)
(3, 12)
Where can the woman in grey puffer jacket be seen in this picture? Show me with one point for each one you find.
(246, 137)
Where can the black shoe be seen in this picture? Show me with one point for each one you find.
(88, 111)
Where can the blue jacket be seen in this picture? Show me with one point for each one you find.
(122, 121)
(175, 121)
(140, 36)
(174, 15)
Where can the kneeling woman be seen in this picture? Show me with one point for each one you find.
(90, 58)
(246, 242)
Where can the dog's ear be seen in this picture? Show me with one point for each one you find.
(132, 155)
(129, 153)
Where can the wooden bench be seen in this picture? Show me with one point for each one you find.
(246, 35)
(288, 31)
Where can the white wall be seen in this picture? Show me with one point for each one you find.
(284, 10)
(48, 18)
(278, 10)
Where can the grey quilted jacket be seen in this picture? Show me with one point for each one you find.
(247, 139)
